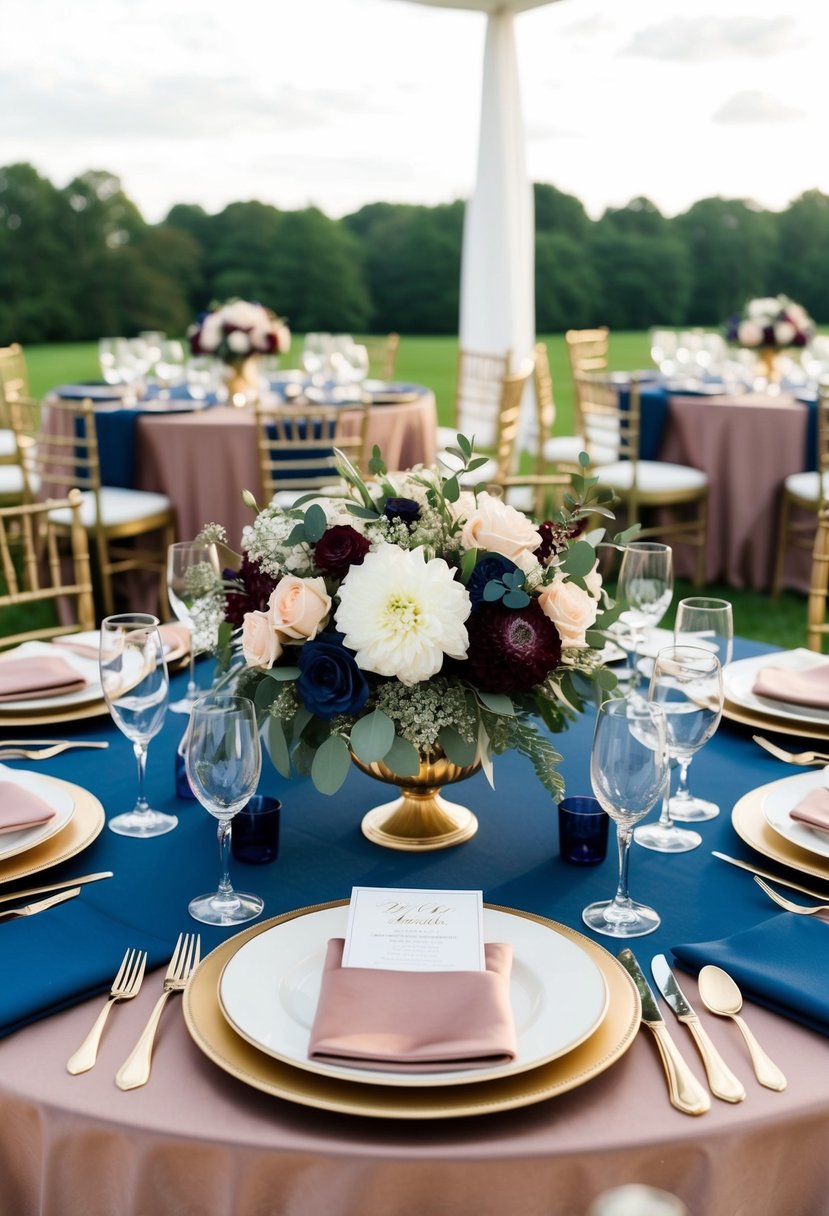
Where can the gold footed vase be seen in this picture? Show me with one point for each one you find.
(421, 818)
(768, 364)
(242, 380)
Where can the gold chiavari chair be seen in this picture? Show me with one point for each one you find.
(14, 386)
(34, 572)
(296, 447)
(478, 383)
(817, 626)
(382, 356)
(808, 491)
(559, 451)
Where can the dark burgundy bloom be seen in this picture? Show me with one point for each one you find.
(402, 508)
(493, 566)
(511, 649)
(253, 595)
(340, 548)
(554, 537)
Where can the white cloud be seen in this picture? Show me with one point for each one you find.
(754, 106)
(698, 39)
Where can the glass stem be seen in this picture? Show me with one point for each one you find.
(682, 791)
(225, 887)
(140, 750)
(623, 839)
(192, 687)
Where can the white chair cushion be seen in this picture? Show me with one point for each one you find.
(118, 506)
(11, 479)
(447, 437)
(563, 449)
(8, 447)
(652, 476)
(807, 486)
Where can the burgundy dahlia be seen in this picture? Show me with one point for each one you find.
(554, 537)
(511, 650)
(253, 595)
(338, 549)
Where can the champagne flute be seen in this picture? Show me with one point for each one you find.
(628, 767)
(706, 622)
(136, 686)
(223, 761)
(687, 684)
(184, 560)
(645, 587)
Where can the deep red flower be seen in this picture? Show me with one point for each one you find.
(554, 537)
(338, 549)
(511, 650)
(253, 595)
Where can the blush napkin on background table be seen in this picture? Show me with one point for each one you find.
(38, 676)
(797, 687)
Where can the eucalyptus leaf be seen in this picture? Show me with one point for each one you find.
(277, 746)
(301, 719)
(372, 736)
(282, 673)
(486, 754)
(362, 512)
(468, 563)
(330, 765)
(493, 590)
(579, 559)
(516, 599)
(459, 750)
(403, 758)
(264, 695)
(497, 703)
(451, 489)
(296, 536)
(316, 522)
(464, 446)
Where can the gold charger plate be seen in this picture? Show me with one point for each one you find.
(750, 824)
(45, 717)
(84, 826)
(212, 1034)
(782, 726)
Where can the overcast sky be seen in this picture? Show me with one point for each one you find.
(342, 102)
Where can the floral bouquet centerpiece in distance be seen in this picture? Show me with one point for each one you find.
(237, 332)
(415, 629)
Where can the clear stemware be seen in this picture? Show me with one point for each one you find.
(185, 560)
(223, 760)
(645, 588)
(687, 685)
(706, 622)
(136, 686)
(628, 767)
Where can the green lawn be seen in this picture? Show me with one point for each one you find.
(431, 361)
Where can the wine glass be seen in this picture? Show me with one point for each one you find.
(628, 768)
(687, 684)
(184, 559)
(706, 622)
(136, 686)
(645, 587)
(223, 761)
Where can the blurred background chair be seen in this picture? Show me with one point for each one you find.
(382, 356)
(296, 447)
(63, 455)
(478, 383)
(36, 578)
(817, 626)
(502, 455)
(14, 386)
(559, 451)
(587, 352)
(808, 491)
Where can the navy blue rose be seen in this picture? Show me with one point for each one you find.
(330, 682)
(492, 566)
(405, 509)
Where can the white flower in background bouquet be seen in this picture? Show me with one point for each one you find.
(237, 329)
(774, 322)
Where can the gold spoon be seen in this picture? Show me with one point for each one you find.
(721, 995)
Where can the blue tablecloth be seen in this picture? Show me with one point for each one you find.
(73, 950)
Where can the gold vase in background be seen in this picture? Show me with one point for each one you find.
(768, 364)
(242, 379)
(420, 819)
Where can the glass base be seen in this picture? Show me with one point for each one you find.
(626, 920)
(142, 823)
(232, 909)
(182, 707)
(692, 810)
(666, 840)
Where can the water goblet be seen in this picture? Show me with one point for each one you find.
(687, 685)
(628, 767)
(645, 587)
(224, 760)
(706, 622)
(186, 560)
(136, 686)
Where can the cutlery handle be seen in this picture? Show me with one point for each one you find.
(685, 1091)
(135, 1070)
(765, 1069)
(86, 1055)
(721, 1079)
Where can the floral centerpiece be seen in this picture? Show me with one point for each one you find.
(774, 322)
(409, 620)
(237, 332)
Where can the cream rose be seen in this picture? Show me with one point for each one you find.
(299, 608)
(571, 610)
(260, 645)
(495, 526)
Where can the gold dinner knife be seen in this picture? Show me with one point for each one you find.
(40, 906)
(721, 1079)
(685, 1091)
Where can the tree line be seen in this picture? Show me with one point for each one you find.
(79, 261)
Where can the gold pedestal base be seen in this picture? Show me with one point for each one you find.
(417, 823)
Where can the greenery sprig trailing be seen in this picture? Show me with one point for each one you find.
(409, 616)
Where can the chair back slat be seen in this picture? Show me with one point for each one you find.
(296, 444)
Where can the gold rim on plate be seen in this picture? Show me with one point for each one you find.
(750, 824)
(47, 717)
(221, 1044)
(84, 826)
(782, 726)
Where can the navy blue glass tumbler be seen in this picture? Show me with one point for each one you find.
(254, 832)
(582, 831)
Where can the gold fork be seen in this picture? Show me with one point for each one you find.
(125, 986)
(13, 751)
(800, 909)
(135, 1070)
(791, 757)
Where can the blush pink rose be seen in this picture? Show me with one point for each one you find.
(260, 645)
(493, 525)
(571, 610)
(299, 608)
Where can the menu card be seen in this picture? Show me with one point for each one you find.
(406, 929)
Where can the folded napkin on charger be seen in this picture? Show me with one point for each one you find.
(813, 810)
(174, 637)
(780, 963)
(799, 687)
(414, 1021)
(38, 676)
(20, 808)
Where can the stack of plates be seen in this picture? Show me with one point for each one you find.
(761, 818)
(250, 1005)
(78, 820)
(742, 705)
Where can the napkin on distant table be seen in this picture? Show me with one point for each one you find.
(781, 963)
(414, 1021)
(799, 687)
(813, 810)
(41, 675)
(20, 808)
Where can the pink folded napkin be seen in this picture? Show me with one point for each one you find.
(813, 810)
(174, 637)
(20, 808)
(414, 1021)
(799, 687)
(42, 675)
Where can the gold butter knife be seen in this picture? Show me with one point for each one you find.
(55, 886)
(781, 882)
(41, 906)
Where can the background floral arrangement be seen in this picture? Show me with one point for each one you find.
(409, 616)
(774, 321)
(237, 329)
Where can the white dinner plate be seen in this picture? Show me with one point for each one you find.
(739, 677)
(57, 797)
(782, 797)
(87, 667)
(656, 640)
(269, 989)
